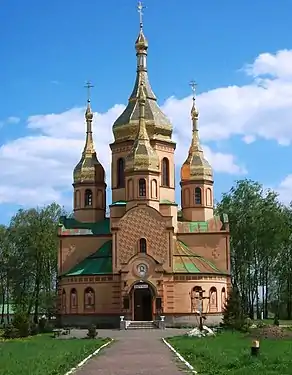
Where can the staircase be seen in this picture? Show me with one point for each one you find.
(142, 325)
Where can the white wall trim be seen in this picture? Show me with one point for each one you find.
(73, 369)
(180, 357)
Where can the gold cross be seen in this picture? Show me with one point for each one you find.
(193, 85)
(140, 11)
(88, 86)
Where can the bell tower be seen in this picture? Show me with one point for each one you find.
(158, 128)
(89, 177)
(196, 177)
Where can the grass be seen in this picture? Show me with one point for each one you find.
(229, 353)
(43, 355)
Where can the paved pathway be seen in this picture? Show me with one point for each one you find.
(134, 353)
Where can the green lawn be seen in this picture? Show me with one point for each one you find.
(229, 353)
(43, 355)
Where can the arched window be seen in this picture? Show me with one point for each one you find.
(198, 195)
(186, 202)
(77, 198)
(165, 172)
(130, 189)
(223, 298)
(213, 300)
(142, 187)
(121, 173)
(209, 197)
(196, 299)
(153, 189)
(73, 299)
(63, 302)
(89, 298)
(143, 245)
(88, 198)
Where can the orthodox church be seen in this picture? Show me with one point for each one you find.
(147, 261)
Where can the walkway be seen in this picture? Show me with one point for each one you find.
(135, 353)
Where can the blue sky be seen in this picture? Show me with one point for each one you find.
(49, 49)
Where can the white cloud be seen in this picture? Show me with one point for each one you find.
(13, 120)
(284, 189)
(248, 139)
(40, 165)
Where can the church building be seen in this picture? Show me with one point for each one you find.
(146, 261)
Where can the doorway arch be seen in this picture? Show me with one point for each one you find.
(142, 302)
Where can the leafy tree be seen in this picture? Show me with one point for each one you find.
(233, 315)
(258, 232)
(33, 234)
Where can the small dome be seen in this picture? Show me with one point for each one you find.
(196, 166)
(88, 113)
(141, 42)
(89, 169)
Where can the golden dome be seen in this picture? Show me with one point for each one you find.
(126, 126)
(142, 157)
(141, 42)
(196, 166)
(89, 168)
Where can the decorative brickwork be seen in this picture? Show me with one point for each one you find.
(139, 223)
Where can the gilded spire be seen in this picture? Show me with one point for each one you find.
(89, 145)
(126, 126)
(196, 167)
(141, 42)
(142, 157)
(88, 168)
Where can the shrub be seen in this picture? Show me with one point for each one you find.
(10, 332)
(276, 320)
(233, 315)
(21, 323)
(33, 329)
(261, 325)
(92, 333)
(45, 326)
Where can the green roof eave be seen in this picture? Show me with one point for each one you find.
(168, 202)
(98, 263)
(118, 203)
(98, 228)
(186, 261)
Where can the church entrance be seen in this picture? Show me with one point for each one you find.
(142, 302)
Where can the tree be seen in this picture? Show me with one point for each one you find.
(258, 232)
(33, 234)
(233, 315)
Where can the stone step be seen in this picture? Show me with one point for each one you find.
(141, 325)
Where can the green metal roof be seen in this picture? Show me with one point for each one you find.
(166, 201)
(99, 263)
(186, 261)
(97, 228)
(118, 203)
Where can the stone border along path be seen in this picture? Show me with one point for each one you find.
(134, 352)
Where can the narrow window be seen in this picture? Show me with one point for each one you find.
(73, 298)
(121, 173)
(88, 197)
(142, 187)
(143, 246)
(198, 195)
(89, 300)
(130, 189)
(165, 172)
